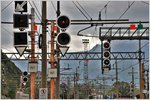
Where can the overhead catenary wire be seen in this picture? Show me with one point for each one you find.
(80, 10)
(35, 12)
(84, 10)
(6, 6)
(104, 6)
(6, 30)
(100, 14)
(145, 2)
(37, 9)
(121, 16)
(53, 5)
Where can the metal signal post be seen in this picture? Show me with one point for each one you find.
(44, 47)
(52, 81)
(32, 79)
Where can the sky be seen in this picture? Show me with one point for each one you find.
(139, 11)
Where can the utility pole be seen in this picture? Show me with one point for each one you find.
(133, 94)
(57, 65)
(44, 46)
(147, 84)
(32, 79)
(116, 79)
(132, 83)
(103, 87)
(74, 85)
(142, 81)
(140, 71)
(52, 62)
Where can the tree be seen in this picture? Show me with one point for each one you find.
(123, 89)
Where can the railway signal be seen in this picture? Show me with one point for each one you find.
(20, 42)
(63, 22)
(63, 38)
(25, 78)
(21, 21)
(106, 54)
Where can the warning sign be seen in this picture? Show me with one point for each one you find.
(43, 93)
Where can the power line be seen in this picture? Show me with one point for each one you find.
(35, 12)
(125, 10)
(6, 6)
(121, 16)
(84, 10)
(145, 2)
(36, 8)
(143, 46)
(100, 15)
(7, 31)
(104, 6)
(53, 6)
(80, 10)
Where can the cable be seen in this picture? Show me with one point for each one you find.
(35, 12)
(80, 10)
(145, 2)
(100, 15)
(7, 31)
(84, 10)
(143, 46)
(120, 16)
(53, 6)
(104, 6)
(36, 8)
(6, 6)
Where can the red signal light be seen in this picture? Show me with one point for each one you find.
(132, 27)
(63, 22)
(106, 45)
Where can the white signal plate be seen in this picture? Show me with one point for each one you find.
(33, 67)
(52, 72)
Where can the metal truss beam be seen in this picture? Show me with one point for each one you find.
(80, 56)
(123, 33)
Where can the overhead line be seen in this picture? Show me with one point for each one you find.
(6, 6)
(104, 6)
(37, 9)
(7, 31)
(53, 6)
(80, 10)
(121, 16)
(145, 2)
(35, 12)
(84, 10)
(125, 11)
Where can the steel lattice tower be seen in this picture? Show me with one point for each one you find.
(86, 42)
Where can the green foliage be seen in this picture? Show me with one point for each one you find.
(11, 89)
(123, 89)
(10, 77)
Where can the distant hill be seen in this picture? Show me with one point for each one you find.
(10, 76)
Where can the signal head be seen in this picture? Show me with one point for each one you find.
(25, 73)
(106, 62)
(63, 22)
(106, 45)
(106, 54)
(63, 39)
